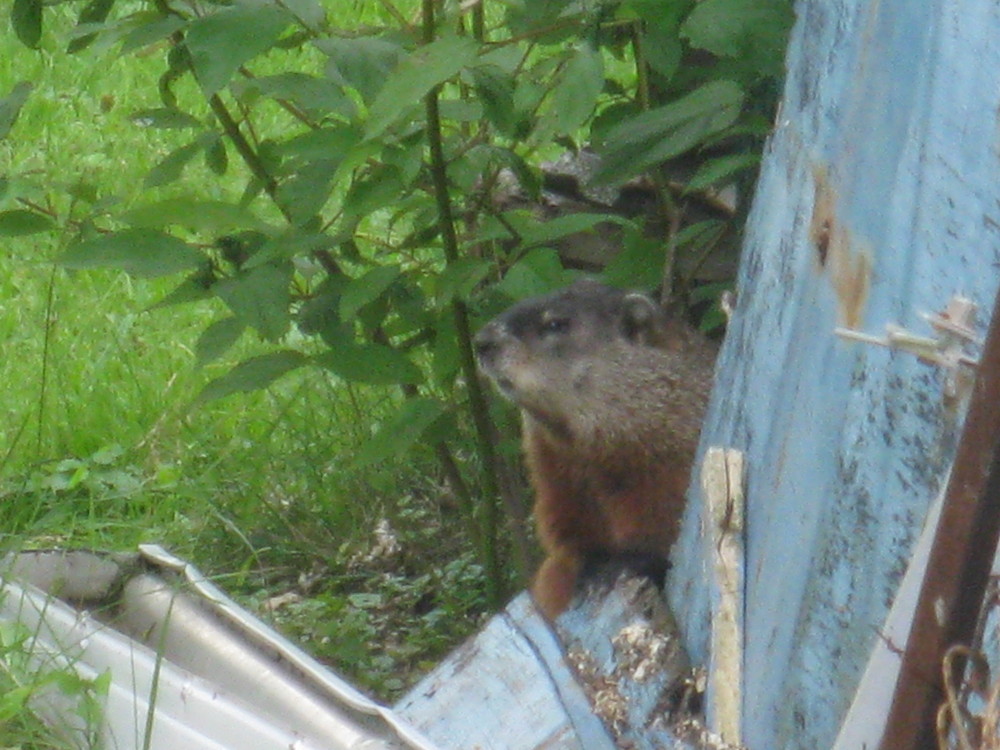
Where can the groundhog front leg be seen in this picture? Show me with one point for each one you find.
(555, 582)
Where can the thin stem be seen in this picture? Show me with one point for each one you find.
(460, 314)
(667, 207)
(46, 346)
(479, 21)
(641, 69)
(244, 148)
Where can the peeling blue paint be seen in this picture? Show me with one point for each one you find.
(895, 104)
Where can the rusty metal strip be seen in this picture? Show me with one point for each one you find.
(960, 560)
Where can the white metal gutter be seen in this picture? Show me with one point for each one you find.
(209, 674)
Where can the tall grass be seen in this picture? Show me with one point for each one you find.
(102, 441)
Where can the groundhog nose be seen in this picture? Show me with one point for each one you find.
(486, 342)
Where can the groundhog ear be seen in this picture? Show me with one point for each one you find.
(642, 320)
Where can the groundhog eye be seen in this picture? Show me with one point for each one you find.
(554, 326)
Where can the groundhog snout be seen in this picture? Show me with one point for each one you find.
(495, 352)
(488, 344)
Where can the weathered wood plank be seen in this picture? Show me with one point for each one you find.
(518, 693)
(879, 199)
(614, 677)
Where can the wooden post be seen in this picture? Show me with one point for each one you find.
(722, 481)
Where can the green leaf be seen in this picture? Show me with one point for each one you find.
(376, 189)
(662, 48)
(370, 363)
(19, 222)
(639, 265)
(720, 170)
(421, 71)
(14, 700)
(101, 684)
(317, 97)
(108, 455)
(254, 374)
(575, 96)
(756, 30)
(538, 272)
(166, 118)
(196, 287)
(364, 63)
(172, 166)
(10, 106)
(665, 132)
(26, 18)
(460, 279)
(446, 359)
(299, 246)
(156, 28)
(215, 217)
(495, 89)
(460, 110)
(366, 289)
(216, 157)
(304, 194)
(401, 431)
(221, 42)
(94, 12)
(260, 298)
(539, 233)
(407, 156)
(84, 190)
(494, 156)
(318, 314)
(539, 19)
(310, 12)
(139, 252)
(322, 144)
(533, 233)
(217, 339)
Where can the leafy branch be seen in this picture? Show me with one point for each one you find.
(404, 163)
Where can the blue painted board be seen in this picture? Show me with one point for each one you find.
(509, 687)
(879, 199)
(520, 685)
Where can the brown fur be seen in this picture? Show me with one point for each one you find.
(612, 391)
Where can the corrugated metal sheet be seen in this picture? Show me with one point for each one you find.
(187, 664)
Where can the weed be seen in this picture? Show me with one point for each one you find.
(28, 687)
(103, 445)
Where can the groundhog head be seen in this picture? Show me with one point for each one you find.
(548, 354)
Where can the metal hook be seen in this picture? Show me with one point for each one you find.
(953, 328)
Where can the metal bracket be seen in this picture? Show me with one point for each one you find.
(946, 349)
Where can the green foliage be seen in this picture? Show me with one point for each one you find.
(327, 190)
(219, 43)
(753, 32)
(140, 252)
(254, 373)
(648, 139)
(416, 618)
(23, 680)
(10, 106)
(20, 221)
(26, 19)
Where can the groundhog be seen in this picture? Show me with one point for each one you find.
(612, 391)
